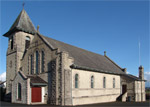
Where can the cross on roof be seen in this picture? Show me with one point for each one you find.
(23, 4)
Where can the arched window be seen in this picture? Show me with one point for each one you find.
(37, 60)
(76, 81)
(104, 82)
(12, 42)
(42, 61)
(19, 91)
(31, 64)
(27, 42)
(92, 81)
(113, 82)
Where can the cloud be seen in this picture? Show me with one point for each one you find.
(3, 76)
(128, 72)
(147, 77)
(147, 73)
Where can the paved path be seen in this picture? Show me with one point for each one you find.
(112, 104)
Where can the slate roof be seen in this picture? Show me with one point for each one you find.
(22, 23)
(133, 77)
(36, 80)
(86, 59)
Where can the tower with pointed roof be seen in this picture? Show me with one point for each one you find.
(42, 70)
(20, 36)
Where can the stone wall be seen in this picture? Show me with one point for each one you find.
(15, 55)
(130, 87)
(87, 95)
(61, 78)
(139, 91)
(24, 87)
(49, 56)
(66, 87)
(135, 89)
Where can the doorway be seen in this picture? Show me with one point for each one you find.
(36, 94)
(124, 89)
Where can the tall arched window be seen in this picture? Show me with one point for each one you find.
(37, 60)
(27, 42)
(19, 91)
(76, 81)
(42, 61)
(12, 42)
(113, 82)
(31, 64)
(92, 81)
(104, 82)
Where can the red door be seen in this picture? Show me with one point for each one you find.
(36, 94)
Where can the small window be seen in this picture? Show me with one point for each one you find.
(76, 81)
(31, 64)
(113, 82)
(42, 61)
(104, 82)
(37, 61)
(92, 81)
(12, 42)
(27, 42)
(19, 91)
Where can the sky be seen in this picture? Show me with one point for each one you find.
(115, 26)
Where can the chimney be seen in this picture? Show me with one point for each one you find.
(104, 53)
(141, 72)
(38, 28)
(124, 70)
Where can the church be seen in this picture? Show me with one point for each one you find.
(41, 70)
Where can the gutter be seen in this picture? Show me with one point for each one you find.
(94, 70)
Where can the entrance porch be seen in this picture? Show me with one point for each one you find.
(37, 92)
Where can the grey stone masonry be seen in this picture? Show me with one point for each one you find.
(15, 52)
(141, 72)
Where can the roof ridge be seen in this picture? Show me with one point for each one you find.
(113, 62)
(20, 17)
(41, 36)
(73, 45)
(83, 57)
(133, 77)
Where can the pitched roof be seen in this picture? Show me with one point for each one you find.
(133, 77)
(22, 23)
(36, 80)
(84, 58)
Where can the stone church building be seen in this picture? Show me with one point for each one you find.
(41, 70)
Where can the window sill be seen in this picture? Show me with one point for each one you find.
(18, 99)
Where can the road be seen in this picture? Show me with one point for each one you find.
(112, 104)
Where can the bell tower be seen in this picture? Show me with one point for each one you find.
(20, 35)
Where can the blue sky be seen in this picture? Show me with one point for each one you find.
(97, 26)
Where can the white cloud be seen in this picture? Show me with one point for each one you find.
(3, 76)
(147, 73)
(147, 77)
(128, 72)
